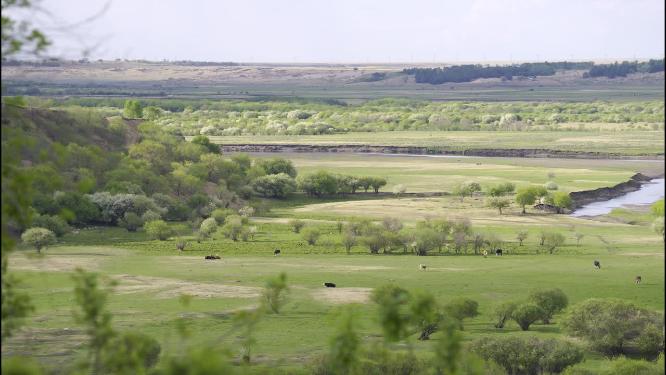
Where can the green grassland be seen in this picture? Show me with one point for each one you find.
(626, 142)
(153, 274)
(441, 174)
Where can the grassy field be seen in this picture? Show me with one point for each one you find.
(625, 142)
(432, 174)
(152, 275)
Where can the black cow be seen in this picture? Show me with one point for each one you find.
(276, 252)
(212, 257)
(597, 265)
(498, 252)
(329, 285)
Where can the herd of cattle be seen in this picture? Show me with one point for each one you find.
(422, 267)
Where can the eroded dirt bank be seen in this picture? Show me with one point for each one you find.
(581, 198)
(414, 150)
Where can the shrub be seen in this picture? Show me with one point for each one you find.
(277, 166)
(296, 225)
(246, 211)
(274, 186)
(274, 293)
(131, 222)
(551, 301)
(526, 314)
(181, 244)
(348, 240)
(311, 235)
(208, 227)
(528, 355)
(503, 312)
(611, 326)
(158, 229)
(550, 185)
(552, 241)
(392, 303)
(233, 227)
(55, 224)
(626, 366)
(399, 190)
(498, 203)
(562, 200)
(461, 308)
(219, 214)
(38, 238)
(130, 353)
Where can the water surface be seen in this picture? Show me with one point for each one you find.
(649, 193)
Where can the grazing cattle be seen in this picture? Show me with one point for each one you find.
(638, 279)
(276, 252)
(498, 252)
(329, 285)
(212, 257)
(597, 265)
(422, 267)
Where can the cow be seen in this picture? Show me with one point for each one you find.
(212, 257)
(422, 267)
(498, 252)
(276, 252)
(329, 285)
(638, 280)
(597, 265)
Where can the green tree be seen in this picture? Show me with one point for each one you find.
(392, 303)
(246, 321)
(277, 166)
(158, 230)
(205, 141)
(274, 295)
(133, 109)
(498, 203)
(311, 235)
(552, 241)
(55, 224)
(377, 183)
(91, 300)
(525, 196)
(208, 227)
(345, 345)
(460, 309)
(38, 238)
(551, 301)
(131, 221)
(503, 312)
(526, 314)
(424, 314)
(348, 240)
(562, 200)
(278, 185)
(522, 236)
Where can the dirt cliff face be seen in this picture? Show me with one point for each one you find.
(581, 198)
(412, 150)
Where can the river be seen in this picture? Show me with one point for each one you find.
(649, 193)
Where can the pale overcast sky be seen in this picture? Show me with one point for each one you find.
(361, 30)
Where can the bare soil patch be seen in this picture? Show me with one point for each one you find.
(342, 295)
(55, 263)
(168, 288)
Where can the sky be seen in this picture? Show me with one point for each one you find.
(358, 31)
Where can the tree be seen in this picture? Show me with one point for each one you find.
(277, 166)
(462, 190)
(551, 301)
(501, 189)
(38, 238)
(377, 183)
(425, 240)
(499, 203)
(521, 236)
(246, 321)
(528, 355)
(274, 293)
(503, 313)
(424, 314)
(318, 184)
(552, 241)
(461, 308)
(133, 109)
(348, 240)
(93, 315)
(345, 345)
(55, 224)
(399, 190)
(130, 353)
(158, 229)
(274, 185)
(525, 196)
(579, 237)
(562, 200)
(311, 235)
(296, 225)
(205, 141)
(208, 227)
(526, 314)
(233, 226)
(613, 326)
(131, 221)
(392, 303)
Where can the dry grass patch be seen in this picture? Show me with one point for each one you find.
(162, 287)
(342, 295)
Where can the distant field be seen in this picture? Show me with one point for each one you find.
(625, 142)
(423, 173)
